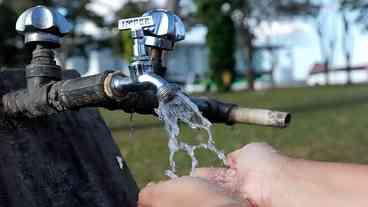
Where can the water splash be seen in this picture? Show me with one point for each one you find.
(181, 108)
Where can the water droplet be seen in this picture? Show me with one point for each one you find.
(120, 162)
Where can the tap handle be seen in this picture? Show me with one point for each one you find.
(136, 26)
(135, 23)
(167, 29)
(40, 24)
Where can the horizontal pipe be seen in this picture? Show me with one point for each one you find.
(215, 111)
(118, 85)
(79, 92)
(96, 91)
(261, 117)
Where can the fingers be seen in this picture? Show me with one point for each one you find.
(209, 173)
(226, 178)
(214, 175)
(251, 154)
(184, 191)
(233, 157)
(258, 147)
(217, 185)
(152, 192)
(179, 190)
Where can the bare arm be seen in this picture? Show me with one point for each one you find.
(187, 192)
(259, 176)
(312, 183)
(266, 178)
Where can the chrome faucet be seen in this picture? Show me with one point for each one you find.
(166, 31)
(157, 30)
(51, 90)
(43, 29)
(40, 24)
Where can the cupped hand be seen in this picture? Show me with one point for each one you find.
(254, 173)
(187, 192)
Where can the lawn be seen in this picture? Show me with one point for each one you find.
(329, 123)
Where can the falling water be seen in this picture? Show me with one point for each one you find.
(181, 108)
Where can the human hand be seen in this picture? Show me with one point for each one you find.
(254, 173)
(187, 192)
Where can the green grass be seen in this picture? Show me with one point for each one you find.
(329, 123)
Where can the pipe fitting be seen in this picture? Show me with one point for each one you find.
(117, 85)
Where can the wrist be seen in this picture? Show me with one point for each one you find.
(281, 182)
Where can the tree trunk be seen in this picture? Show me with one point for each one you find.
(247, 43)
(347, 51)
(273, 66)
(324, 54)
(348, 69)
(327, 71)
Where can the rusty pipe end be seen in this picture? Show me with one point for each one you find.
(280, 119)
(260, 117)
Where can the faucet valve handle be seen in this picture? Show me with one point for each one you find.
(168, 29)
(40, 24)
(136, 25)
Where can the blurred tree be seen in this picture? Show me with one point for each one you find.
(247, 14)
(348, 41)
(77, 42)
(326, 30)
(220, 40)
(348, 38)
(357, 5)
(327, 45)
(76, 10)
(226, 19)
(20, 6)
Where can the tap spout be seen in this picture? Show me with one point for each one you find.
(165, 90)
(117, 84)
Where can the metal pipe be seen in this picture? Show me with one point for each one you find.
(114, 91)
(165, 91)
(219, 112)
(43, 68)
(118, 85)
(261, 117)
(138, 47)
(79, 92)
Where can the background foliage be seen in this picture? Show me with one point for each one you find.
(220, 41)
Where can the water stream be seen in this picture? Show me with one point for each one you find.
(182, 109)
